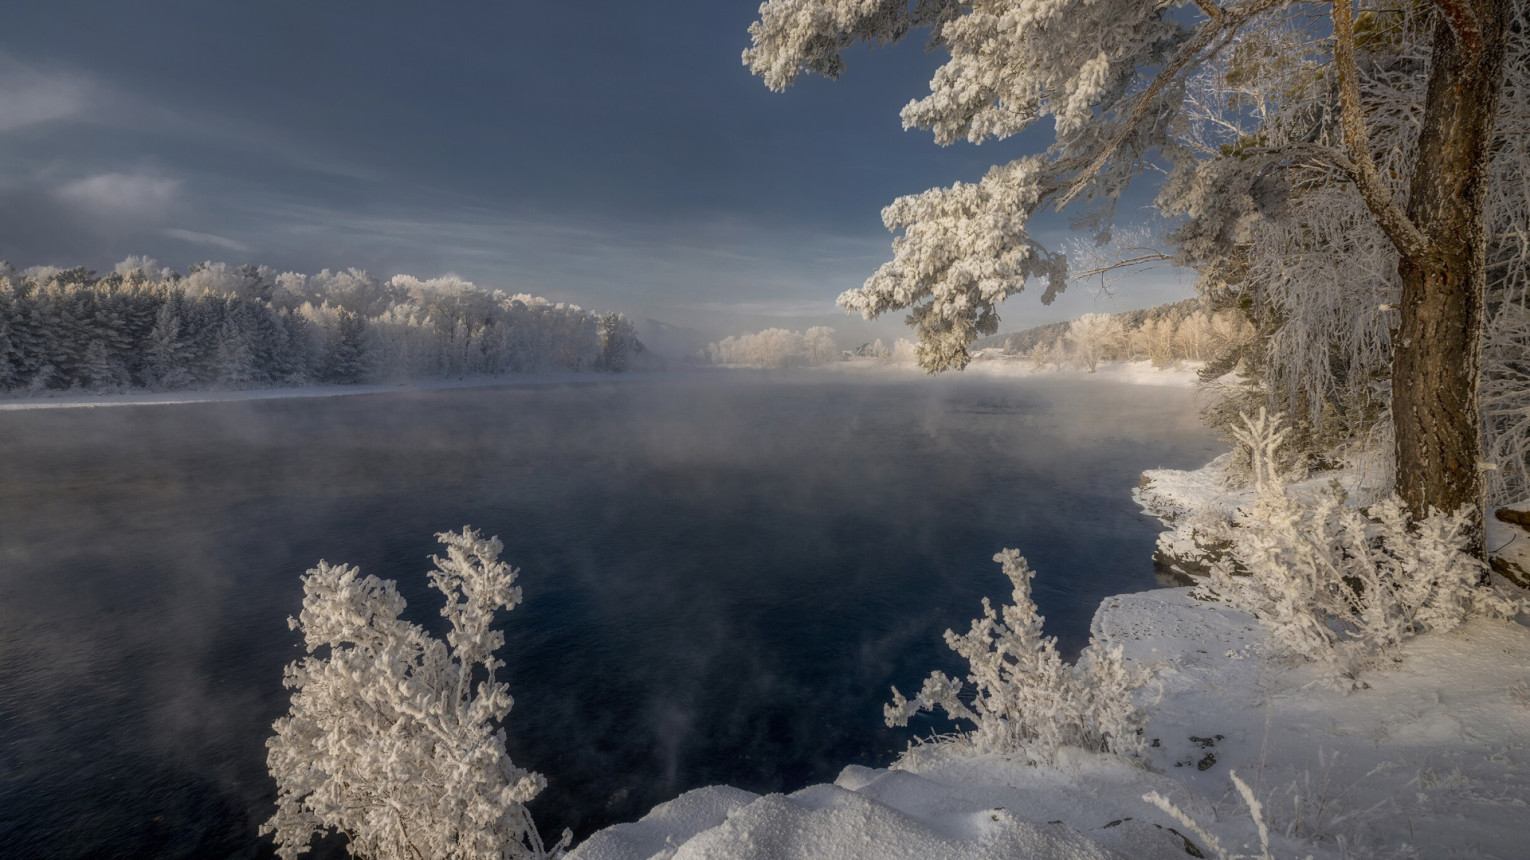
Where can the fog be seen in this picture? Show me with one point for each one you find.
(724, 573)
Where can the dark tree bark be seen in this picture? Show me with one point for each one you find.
(1438, 350)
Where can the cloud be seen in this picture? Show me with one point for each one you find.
(702, 274)
(30, 97)
(121, 197)
(211, 239)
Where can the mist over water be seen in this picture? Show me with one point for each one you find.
(724, 573)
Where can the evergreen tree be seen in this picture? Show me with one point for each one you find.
(167, 351)
(10, 375)
(234, 360)
(618, 343)
(100, 370)
(348, 363)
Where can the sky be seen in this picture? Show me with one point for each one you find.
(613, 154)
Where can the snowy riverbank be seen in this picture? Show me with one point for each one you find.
(1430, 760)
(991, 363)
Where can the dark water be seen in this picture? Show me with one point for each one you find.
(723, 573)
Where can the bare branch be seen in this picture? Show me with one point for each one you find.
(1362, 171)
(1133, 262)
(1211, 10)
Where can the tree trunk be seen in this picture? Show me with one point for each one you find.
(1438, 350)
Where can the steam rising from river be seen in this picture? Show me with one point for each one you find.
(724, 573)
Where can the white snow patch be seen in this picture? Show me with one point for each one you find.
(1429, 760)
(993, 363)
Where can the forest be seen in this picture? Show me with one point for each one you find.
(220, 326)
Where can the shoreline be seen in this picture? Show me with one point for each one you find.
(81, 400)
(1131, 373)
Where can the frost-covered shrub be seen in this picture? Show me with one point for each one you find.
(1335, 583)
(1026, 699)
(388, 739)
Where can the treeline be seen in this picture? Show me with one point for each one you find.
(775, 347)
(147, 327)
(1181, 331)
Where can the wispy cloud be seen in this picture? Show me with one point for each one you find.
(685, 269)
(31, 97)
(209, 239)
(122, 196)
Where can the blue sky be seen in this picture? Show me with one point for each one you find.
(614, 154)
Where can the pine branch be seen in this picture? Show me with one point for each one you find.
(1223, 24)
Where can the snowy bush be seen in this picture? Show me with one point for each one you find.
(1026, 699)
(388, 739)
(1339, 584)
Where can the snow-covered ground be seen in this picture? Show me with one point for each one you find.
(1430, 760)
(993, 363)
(1195, 505)
(1181, 373)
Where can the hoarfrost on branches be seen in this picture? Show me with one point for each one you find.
(1026, 700)
(1356, 167)
(389, 740)
(1341, 585)
(775, 347)
(1092, 335)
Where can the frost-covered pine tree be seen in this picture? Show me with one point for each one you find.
(10, 353)
(101, 370)
(1113, 77)
(234, 358)
(392, 738)
(349, 361)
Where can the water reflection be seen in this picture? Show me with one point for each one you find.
(723, 574)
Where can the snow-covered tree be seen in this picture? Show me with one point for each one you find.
(101, 370)
(618, 342)
(348, 362)
(245, 325)
(168, 352)
(233, 358)
(10, 351)
(1113, 76)
(392, 736)
(1092, 335)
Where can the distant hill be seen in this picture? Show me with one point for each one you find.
(670, 341)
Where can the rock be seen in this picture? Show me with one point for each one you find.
(1510, 571)
(1513, 517)
(1508, 540)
